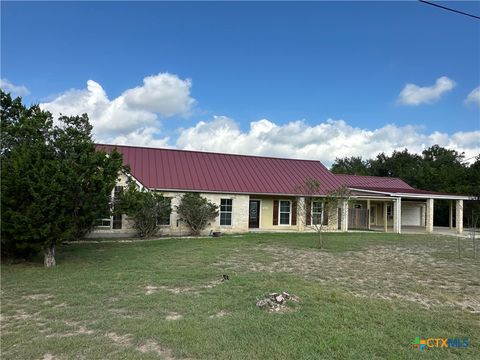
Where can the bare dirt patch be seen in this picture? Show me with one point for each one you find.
(38, 297)
(219, 314)
(152, 346)
(151, 289)
(412, 274)
(173, 316)
(145, 347)
(124, 340)
(49, 356)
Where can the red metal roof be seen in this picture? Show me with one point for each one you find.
(383, 184)
(168, 169)
(373, 182)
(406, 191)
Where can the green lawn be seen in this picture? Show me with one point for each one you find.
(366, 296)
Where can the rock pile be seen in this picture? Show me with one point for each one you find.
(276, 301)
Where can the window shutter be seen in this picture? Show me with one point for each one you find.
(294, 212)
(325, 215)
(275, 212)
(308, 212)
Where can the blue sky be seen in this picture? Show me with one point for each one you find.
(294, 65)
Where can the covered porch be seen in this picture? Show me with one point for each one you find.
(401, 212)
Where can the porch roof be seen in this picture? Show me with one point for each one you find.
(406, 193)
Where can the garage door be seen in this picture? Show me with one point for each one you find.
(411, 215)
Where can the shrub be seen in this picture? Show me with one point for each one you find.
(144, 207)
(196, 211)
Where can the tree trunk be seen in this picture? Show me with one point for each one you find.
(49, 256)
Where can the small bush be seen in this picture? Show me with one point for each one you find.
(196, 211)
(143, 207)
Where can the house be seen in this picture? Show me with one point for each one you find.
(258, 193)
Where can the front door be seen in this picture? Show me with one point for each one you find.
(254, 214)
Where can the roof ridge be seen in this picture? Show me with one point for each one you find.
(371, 176)
(210, 152)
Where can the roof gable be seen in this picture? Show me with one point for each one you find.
(169, 169)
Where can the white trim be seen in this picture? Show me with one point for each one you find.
(446, 197)
(390, 194)
(411, 195)
(231, 192)
(130, 176)
(372, 198)
(289, 214)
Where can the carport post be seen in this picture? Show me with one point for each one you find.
(301, 220)
(344, 215)
(450, 222)
(429, 219)
(459, 216)
(368, 214)
(385, 220)
(397, 216)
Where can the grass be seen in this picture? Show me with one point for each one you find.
(366, 296)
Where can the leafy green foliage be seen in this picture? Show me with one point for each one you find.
(54, 183)
(350, 165)
(437, 169)
(143, 207)
(196, 211)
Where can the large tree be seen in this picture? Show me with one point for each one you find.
(54, 184)
(354, 165)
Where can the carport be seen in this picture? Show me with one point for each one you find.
(390, 204)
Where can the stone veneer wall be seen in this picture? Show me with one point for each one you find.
(240, 210)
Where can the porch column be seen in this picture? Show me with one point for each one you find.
(344, 215)
(385, 217)
(368, 214)
(301, 214)
(450, 215)
(459, 216)
(397, 216)
(429, 218)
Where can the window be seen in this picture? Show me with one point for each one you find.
(165, 220)
(117, 218)
(284, 210)
(111, 221)
(317, 212)
(226, 212)
(389, 212)
(104, 223)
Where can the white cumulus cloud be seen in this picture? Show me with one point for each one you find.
(134, 118)
(415, 95)
(473, 97)
(324, 141)
(18, 90)
(135, 114)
